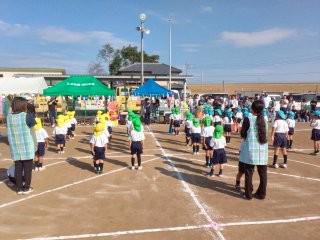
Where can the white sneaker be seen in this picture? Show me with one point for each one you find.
(194, 153)
(275, 165)
(284, 166)
(132, 167)
(26, 192)
(20, 192)
(41, 168)
(140, 168)
(197, 153)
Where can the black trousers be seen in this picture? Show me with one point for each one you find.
(262, 189)
(23, 167)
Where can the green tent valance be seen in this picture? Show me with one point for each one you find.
(79, 86)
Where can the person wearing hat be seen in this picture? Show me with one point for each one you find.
(291, 124)
(98, 146)
(227, 124)
(59, 133)
(279, 136)
(207, 133)
(176, 120)
(73, 122)
(218, 143)
(315, 135)
(136, 139)
(188, 125)
(217, 117)
(129, 121)
(42, 141)
(196, 136)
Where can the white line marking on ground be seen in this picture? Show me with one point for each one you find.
(291, 220)
(178, 229)
(69, 185)
(189, 190)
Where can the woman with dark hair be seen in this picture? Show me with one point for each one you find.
(22, 146)
(254, 150)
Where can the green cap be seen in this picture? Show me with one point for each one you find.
(218, 132)
(207, 121)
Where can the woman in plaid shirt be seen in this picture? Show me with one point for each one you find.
(22, 145)
(254, 150)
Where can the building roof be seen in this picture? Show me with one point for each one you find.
(150, 68)
(25, 69)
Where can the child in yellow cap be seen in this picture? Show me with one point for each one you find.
(42, 140)
(59, 134)
(73, 122)
(98, 144)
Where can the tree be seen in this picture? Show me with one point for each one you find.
(96, 69)
(117, 58)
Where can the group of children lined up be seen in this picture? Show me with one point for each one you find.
(64, 130)
(208, 132)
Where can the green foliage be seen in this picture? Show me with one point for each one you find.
(117, 58)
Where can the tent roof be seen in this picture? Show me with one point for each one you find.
(151, 89)
(20, 85)
(79, 86)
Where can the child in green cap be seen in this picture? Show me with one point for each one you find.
(207, 133)
(188, 123)
(196, 136)
(218, 143)
(136, 139)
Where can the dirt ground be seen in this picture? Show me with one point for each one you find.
(170, 198)
(233, 88)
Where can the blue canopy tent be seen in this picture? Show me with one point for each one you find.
(151, 89)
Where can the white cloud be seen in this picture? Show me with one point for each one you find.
(8, 29)
(254, 39)
(62, 35)
(206, 9)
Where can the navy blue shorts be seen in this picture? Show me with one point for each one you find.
(219, 156)
(110, 130)
(291, 131)
(315, 135)
(99, 153)
(227, 128)
(280, 140)
(207, 142)
(136, 148)
(60, 139)
(239, 120)
(41, 150)
(176, 123)
(187, 131)
(216, 124)
(69, 131)
(196, 137)
(73, 127)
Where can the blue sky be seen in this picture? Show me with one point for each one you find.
(230, 40)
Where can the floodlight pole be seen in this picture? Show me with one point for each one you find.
(142, 69)
(170, 63)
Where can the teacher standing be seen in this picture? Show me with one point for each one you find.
(254, 150)
(21, 141)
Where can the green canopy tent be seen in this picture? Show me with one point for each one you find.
(79, 86)
(85, 86)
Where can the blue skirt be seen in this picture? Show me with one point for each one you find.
(216, 124)
(99, 153)
(207, 142)
(110, 130)
(315, 135)
(60, 139)
(136, 148)
(73, 127)
(227, 128)
(41, 149)
(280, 140)
(196, 137)
(176, 123)
(219, 156)
(291, 131)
